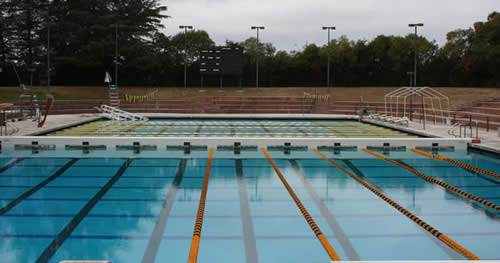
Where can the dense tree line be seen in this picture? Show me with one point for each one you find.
(83, 36)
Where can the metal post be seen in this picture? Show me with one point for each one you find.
(415, 60)
(257, 28)
(477, 130)
(423, 111)
(48, 58)
(185, 57)
(328, 73)
(116, 55)
(328, 67)
(185, 51)
(257, 61)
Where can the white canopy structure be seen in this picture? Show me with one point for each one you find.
(397, 102)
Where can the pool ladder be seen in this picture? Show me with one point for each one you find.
(462, 128)
(116, 114)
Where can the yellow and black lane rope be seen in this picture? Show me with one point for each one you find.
(195, 241)
(436, 233)
(433, 180)
(456, 163)
(315, 228)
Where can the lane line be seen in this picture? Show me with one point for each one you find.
(433, 180)
(11, 164)
(37, 187)
(246, 217)
(451, 243)
(491, 214)
(457, 163)
(156, 236)
(73, 224)
(446, 249)
(331, 219)
(195, 241)
(317, 231)
(266, 130)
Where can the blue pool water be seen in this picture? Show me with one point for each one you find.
(97, 208)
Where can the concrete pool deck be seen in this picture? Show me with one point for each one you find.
(490, 141)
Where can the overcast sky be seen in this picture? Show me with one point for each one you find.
(290, 24)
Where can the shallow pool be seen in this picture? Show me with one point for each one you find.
(233, 128)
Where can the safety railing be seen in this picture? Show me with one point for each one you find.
(464, 130)
(119, 115)
(8, 129)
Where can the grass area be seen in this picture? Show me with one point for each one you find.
(458, 96)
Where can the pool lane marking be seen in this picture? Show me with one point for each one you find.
(232, 130)
(198, 130)
(157, 234)
(302, 131)
(446, 249)
(315, 228)
(327, 214)
(73, 224)
(37, 187)
(11, 164)
(430, 179)
(266, 130)
(448, 241)
(195, 240)
(246, 218)
(164, 129)
(456, 163)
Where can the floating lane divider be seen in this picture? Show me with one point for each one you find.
(317, 231)
(433, 180)
(445, 239)
(195, 241)
(456, 163)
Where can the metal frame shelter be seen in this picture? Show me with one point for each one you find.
(397, 105)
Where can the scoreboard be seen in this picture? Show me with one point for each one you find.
(221, 61)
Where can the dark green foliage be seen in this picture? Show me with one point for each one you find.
(83, 48)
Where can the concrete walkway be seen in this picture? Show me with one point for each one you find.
(54, 122)
(489, 140)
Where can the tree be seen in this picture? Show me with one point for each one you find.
(83, 36)
(191, 43)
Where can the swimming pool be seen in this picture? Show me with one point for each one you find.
(262, 128)
(145, 209)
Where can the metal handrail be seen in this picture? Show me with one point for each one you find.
(119, 115)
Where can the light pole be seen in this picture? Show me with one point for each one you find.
(416, 26)
(329, 29)
(117, 55)
(258, 28)
(186, 28)
(414, 75)
(49, 24)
